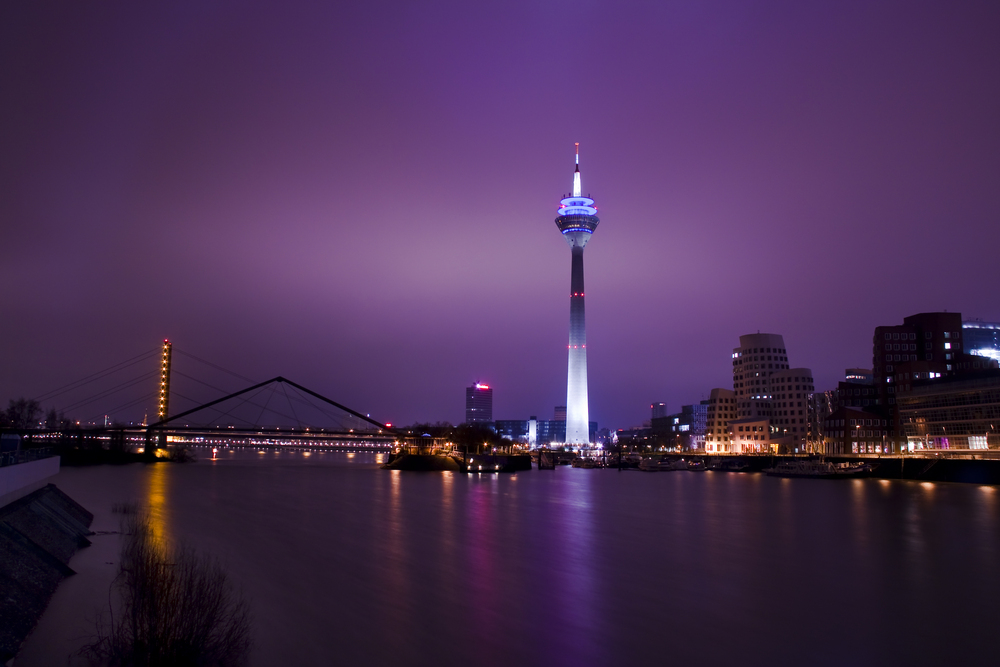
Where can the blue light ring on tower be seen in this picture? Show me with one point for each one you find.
(577, 206)
(577, 223)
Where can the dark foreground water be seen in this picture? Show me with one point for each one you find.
(348, 564)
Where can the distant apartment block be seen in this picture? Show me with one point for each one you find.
(982, 338)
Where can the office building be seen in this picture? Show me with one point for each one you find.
(982, 338)
(479, 404)
(957, 412)
(658, 410)
(851, 430)
(934, 339)
(577, 221)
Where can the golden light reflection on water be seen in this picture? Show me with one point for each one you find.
(157, 483)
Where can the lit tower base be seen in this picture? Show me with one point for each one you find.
(577, 221)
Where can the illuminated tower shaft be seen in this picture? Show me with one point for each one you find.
(577, 397)
(577, 221)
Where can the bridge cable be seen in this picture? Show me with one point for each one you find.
(95, 376)
(291, 407)
(243, 401)
(265, 405)
(336, 418)
(109, 392)
(228, 412)
(215, 366)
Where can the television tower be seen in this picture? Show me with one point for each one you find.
(577, 221)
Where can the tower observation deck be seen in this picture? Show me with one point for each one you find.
(577, 221)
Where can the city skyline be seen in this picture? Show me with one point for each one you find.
(233, 180)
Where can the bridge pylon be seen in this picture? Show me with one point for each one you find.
(163, 408)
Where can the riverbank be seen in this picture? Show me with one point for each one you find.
(39, 533)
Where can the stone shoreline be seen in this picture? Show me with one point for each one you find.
(39, 533)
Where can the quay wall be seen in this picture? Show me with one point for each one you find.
(916, 468)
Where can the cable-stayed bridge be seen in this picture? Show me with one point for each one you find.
(217, 407)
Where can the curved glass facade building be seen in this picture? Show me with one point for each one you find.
(577, 221)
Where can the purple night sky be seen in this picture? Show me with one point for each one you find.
(360, 196)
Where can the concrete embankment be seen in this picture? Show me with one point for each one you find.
(474, 463)
(915, 468)
(39, 533)
(420, 462)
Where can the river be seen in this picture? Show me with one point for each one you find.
(344, 563)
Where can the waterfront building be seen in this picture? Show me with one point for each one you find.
(788, 407)
(720, 411)
(683, 431)
(958, 412)
(577, 221)
(982, 338)
(478, 404)
(821, 404)
(516, 430)
(757, 358)
(750, 435)
(850, 430)
(924, 337)
(538, 433)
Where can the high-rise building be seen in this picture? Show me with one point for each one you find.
(478, 404)
(769, 392)
(577, 221)
(757, 358)
(924, 343)
(659, 410)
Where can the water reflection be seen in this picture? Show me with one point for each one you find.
(157, 489)
(579, 566)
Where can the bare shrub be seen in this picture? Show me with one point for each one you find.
(129, 507)
(175, 606)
